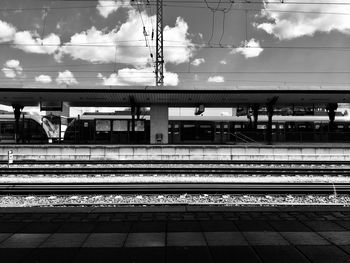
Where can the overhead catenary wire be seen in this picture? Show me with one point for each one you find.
(145, 34)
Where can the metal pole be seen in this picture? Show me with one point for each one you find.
(159, 45)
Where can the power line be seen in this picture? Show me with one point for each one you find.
(26, 70)
(201, 5)
(196, 45)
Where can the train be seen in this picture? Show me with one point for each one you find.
(116, 128)
(32, 128)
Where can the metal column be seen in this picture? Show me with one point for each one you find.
(159, 45)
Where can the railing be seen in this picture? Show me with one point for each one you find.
(244, 138)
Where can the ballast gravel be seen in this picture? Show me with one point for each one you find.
(172, 199)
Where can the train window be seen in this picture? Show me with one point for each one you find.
(261, 127)
(317, 126)
(176, 126)
(281, 127)
(225, 126)
(140, 126)
(340, 126)
(273, 126)
(103, 125)
(120, 125)
(218, 126)
(238, 126)
(7, 128)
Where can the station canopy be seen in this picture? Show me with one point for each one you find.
(124, 96)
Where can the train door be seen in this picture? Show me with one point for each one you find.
(226, 134)
(205, 132)
(176, 138)
(318, 132)
(102, 131)
(86, 134)
(120, 134)
(139, 134)
(281, 132)
(218, 138)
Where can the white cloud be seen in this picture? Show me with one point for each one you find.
(94, 54)
(197, 62)
(178, 48)
(9, 73)
(66, 77)
(31, 43)
(216, 79)
(131, 76)
(14, 64)
(249, 49)
(122, 45)
(288, 25)
(105, 8)
(223, 62)
(7, 31)
(12, 69)
(43, 79)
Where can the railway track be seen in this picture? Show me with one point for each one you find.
(151, 188)
(171, 168)
(243, 162)
(187, 170)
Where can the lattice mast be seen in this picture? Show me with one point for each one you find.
(159, 45)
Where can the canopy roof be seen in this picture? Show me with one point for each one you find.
(123, 96)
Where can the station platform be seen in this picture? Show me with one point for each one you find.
(287, 152)
(175, 234)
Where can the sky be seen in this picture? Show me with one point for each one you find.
(206, 43)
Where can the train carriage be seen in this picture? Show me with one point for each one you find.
(113, 128)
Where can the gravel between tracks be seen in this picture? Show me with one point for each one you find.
(173, 199)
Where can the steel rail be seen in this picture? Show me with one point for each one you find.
(152, 188)
(176, 170)
(264, 162)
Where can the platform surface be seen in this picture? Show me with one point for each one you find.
(178, 234)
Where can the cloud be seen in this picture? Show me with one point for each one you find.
(14, 64)
(131, 76)
(7, 32)
(178, 48)
(249, 49)
(197, 62)
(216, 79)
(30, 42)
(43, 79)
(105, 8)
(66, 77)
(104, 52)
(9, 73)
(12, 69)
(288, 25)
(123, 45)
(223, 62)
